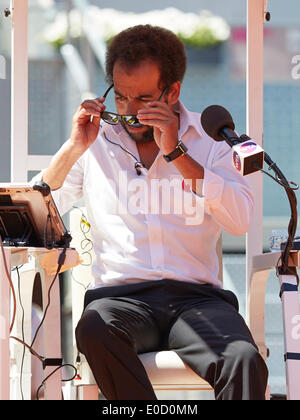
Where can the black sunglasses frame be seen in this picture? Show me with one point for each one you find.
(125, 118)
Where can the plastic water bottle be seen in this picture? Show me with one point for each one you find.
(277, 237)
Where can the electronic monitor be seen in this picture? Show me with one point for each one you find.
(29, 217)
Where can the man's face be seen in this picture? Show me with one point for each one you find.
(134, 88)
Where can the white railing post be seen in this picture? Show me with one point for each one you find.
(255, 27)
(19, 90)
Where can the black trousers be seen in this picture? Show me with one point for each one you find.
(201, 323)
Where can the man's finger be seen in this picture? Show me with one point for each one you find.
(151, 116)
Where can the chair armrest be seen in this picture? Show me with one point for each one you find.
(255, 308)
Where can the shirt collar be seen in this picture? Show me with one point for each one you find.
(188, 119)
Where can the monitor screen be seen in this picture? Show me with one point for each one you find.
(29, 217)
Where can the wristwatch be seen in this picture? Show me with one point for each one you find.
(179, 150)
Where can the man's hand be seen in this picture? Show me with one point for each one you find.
(84, 131)
(165, 123)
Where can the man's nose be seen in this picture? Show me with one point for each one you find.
(132, 107)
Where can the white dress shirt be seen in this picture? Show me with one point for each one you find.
(141, 229)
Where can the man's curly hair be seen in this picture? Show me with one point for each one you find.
(141, 42)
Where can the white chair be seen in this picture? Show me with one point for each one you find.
(166, 371)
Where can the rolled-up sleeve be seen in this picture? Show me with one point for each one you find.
(71, 190)
(228, 195)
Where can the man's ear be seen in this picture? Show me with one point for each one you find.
(174, 93)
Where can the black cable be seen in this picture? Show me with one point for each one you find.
(123, 148)
(11, 285)
(49, 245)
(295, 188)
(42, 359)
(138, 165)
(290, 191)
(55, 370)
(61, 261)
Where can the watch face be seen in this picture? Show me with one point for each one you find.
(182, 148)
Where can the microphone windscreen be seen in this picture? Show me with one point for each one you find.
(214, 118)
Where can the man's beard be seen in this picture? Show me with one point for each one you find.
(145, 137)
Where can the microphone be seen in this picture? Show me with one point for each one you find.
(247, 156)
(138, 166)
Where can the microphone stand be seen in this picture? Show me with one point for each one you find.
(281, 179)
(289, 282)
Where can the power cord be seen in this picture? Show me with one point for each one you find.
(86, 244)
(7, 271)
(42, 359)
(54, 371)
(49, 245)
(61, 260)
(85, 228)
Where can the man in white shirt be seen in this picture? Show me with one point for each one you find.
(158, 192)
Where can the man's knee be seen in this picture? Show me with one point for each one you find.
(88, 328)
(92, 330)
(243, 373)
(243, 356)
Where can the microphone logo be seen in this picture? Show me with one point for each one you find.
(248, 147)
(247, 157)
(237, 161)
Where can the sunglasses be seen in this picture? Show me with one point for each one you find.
(131, 120)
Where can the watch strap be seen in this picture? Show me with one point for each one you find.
(179, 150)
